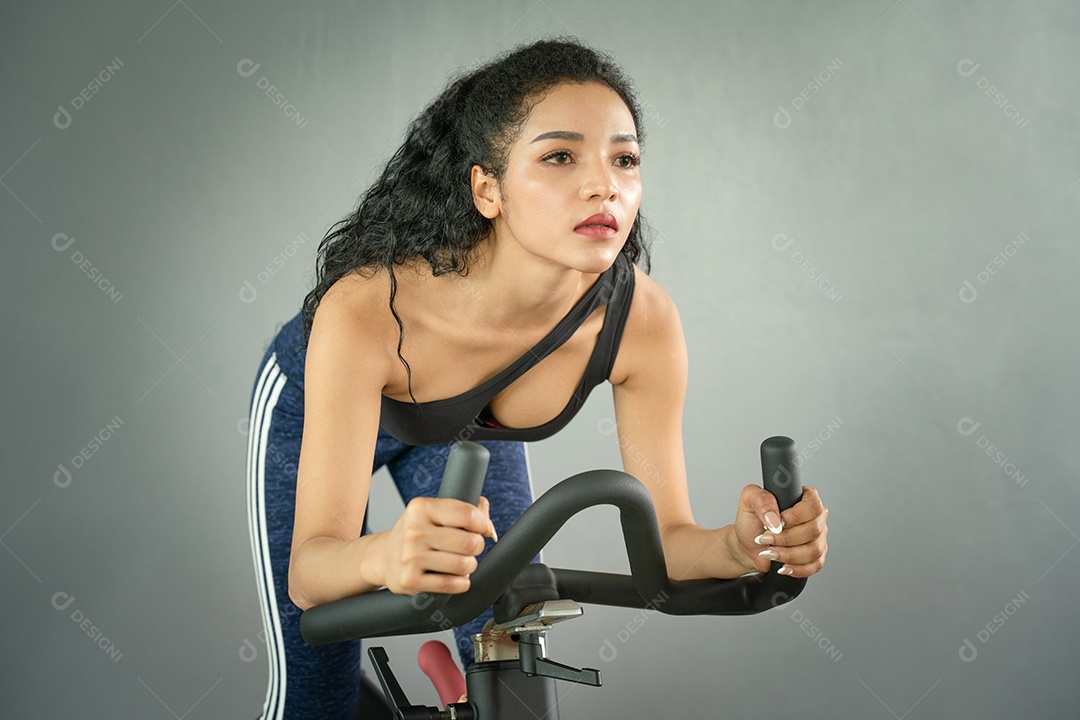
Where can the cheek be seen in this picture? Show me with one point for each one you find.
(541, 199)
(631, 194)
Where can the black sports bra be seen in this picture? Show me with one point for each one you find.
(467, 416)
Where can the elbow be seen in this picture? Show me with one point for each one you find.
(300, 600)
(296, 593)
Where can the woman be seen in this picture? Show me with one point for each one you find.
(485, 284)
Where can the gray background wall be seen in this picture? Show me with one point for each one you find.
(864, 212)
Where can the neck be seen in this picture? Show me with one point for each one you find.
(494, 294)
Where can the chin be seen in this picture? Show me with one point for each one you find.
(592, 257)
(600, 257)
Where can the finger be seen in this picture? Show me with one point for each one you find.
(809, 556)
(801, 570)
(808, 508)
(449, 512)
(421, 577)
(795, 535)
(443, 584)
(801, 554)
(762, 504)
(449, 563)
(455, 541)
(485, 507)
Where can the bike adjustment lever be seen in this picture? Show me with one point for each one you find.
(395, 695)
(531, 654)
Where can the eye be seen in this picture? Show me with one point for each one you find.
(562, 157)
(557, 154)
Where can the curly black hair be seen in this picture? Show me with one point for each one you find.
(421, 205)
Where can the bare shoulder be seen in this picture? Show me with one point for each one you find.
(354, 315)
(653, 333)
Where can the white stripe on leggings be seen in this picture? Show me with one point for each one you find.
(267, 391)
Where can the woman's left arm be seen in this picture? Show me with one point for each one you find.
(648, 413)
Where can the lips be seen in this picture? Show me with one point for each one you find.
(604, 219)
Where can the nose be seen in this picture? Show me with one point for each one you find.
(599, 183)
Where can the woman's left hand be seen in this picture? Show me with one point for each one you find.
(795, 537)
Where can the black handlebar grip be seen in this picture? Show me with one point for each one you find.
(466, 467)
(463, 479)
(780, 476)
(779, 473)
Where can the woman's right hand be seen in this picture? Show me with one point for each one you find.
(433, 546)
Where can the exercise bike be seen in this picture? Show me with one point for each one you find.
(512, 671)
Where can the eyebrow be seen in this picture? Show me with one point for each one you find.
(570, 135)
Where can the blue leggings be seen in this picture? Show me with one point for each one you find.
(323, 681)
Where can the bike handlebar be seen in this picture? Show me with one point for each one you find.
(381, 613)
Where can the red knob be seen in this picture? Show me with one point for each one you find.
(438, 665)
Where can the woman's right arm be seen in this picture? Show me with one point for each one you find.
(433, 545)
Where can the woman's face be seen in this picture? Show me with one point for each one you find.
(577, 156)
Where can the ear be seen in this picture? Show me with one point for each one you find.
(485, 192)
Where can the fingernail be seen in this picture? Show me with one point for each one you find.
(773, 522)
(764, 539)
(771, 554)
(785, 570)
(494, 535)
